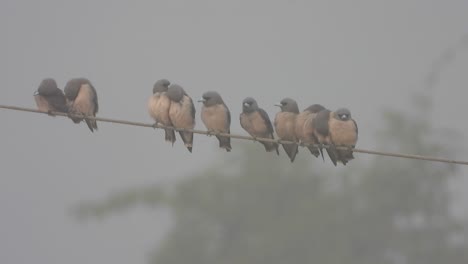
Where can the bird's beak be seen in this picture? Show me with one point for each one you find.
(246, 104)
(201, 100)
(36, 93)
(278, 104)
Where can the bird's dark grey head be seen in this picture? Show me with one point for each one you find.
(343, 114)
(288, 105)
(175, 92)
(211, 98)
(161, 86)
(47, 87)
(315, 108)
(249, 105)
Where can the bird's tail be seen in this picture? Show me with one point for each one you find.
(92, 124)
(225, 143)
(291, 150)
(314, 151)
(332, 153)
(270, 147)
(170, 135)
(345, 155)
(76, 120)
(321, 153)
(187, 138)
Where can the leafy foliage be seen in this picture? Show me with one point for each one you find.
(262, 209)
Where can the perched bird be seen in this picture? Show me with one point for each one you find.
(158, 108)
(216, 117)
(49, 98)
(256, 122)
(82, 99)
(336, 129)
(305, 129)
(182, 113)
(285, 124)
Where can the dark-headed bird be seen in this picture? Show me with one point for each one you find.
(182, 113)
(82, 99)
(158, 108)
(216, 117)
(305, 129)
(256, 122)
(49, 98)
(337, 129)
(285, 125)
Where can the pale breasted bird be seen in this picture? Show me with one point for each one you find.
(216, 117)
(82, 99)
(256, 122)
(182, 113)
(285, 124)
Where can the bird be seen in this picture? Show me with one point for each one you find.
(82, 99)
(216, 117)
(285, 122)
(305, 130)
(158, 108)
(182, 113)
(256, 122)
(49, 98)
(337, 129)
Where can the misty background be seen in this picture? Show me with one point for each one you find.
(367, 56)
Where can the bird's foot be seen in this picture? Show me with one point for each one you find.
(50, 113)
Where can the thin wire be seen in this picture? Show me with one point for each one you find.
(202, 132)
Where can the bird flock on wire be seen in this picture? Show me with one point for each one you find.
(315, 127)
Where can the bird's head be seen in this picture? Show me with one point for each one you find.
(46, 87)
(343, 114)
(288, 105)
(175, 92)
(249, 105)
(211, 98)
(161, 86)
(315, 108)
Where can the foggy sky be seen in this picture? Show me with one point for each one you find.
(364, 55)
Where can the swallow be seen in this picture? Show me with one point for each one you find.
(337, 129)
(256, 122)
(82, 99)
(158, 108)
(285, 124)
(305, 130)
(49, 98)
(182, 113)
(216, 117)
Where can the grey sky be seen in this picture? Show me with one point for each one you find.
(364, 55)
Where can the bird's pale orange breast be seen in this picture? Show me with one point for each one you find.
(42, 104)
(158, 108)
(299, 126)
(84, 101)
(309, 130)
(180, 113)
(285, 124)
(343, 132)
(215, 118)
(254, 124)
